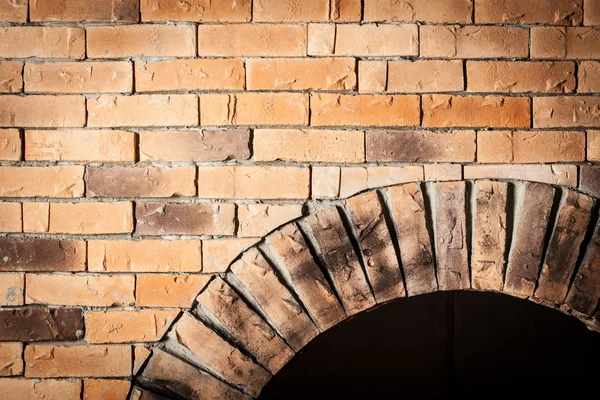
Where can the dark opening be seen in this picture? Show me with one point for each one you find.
(447, 345)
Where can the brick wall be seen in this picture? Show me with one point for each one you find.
(145, 143)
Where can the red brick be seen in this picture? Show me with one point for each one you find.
(35, 389)
(11, 80)
(10, 145)
(127, 326)
(12, 288)
(555, 112)
(196, 10)
(11, 361)
(257, 220)
(106, 389)
(13, 11)
(91, 218)
(306, 10)
(593, 145)
(63, 181)
(40, 111)
(42, 42)
(565, 42)
(452, 11)
(524, 12)
(376, 40)
(425, 76)
(168, 290)
(28, 254)
(10, 217)
(84, 11)
(565, 175)
(591, 12)
(589, 77)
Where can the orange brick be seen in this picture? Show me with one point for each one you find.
(11, 361)
(321, 39)
(84, 11)
(105, 390)
(253, 182)
(257, 220)
(372, 76)
(141, 40)
(591, 15)
(357, 179)
(425, 76)
(189, 74)
(12, 287)
(144, 256)
(42, 111)
(443, 172)
(80, 290)
(10, 145)
(140, 354)
(46, 360)
(530, 147)
(91, 218)
(554, 112)
(168, 290)
(553, 12)
(474, 41)
(309, 145)
(565, 42)
(553, 174)
(593, 146)
(13, 11)
(10, 217)
(521, 76)
(301, 74)
(365, 110)
(589, 77)
(475, 111)
(127, 326)
(25, 389)
(196, 10)
(306, 10)
(78, 77)
(325, 182)
(42, 42)
(11, 80)
(268, 40)
(80, 145)
(143, 110)
(254, 109)
(453, 11)
(376, 40)
(36, 217)
(218, 254)
(64, 181)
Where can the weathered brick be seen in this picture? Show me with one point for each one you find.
(554, 12)
(42, 111)
(376, 246)
(584, 293)
(593, 145)
(563, 249)
(521, 76)
(268, 40)
(367, 110)
(36, 217)
(420, 146)
(443, 172)
(78, 77)
(414, 242)
(12, 287)
(453, 11)
(43, 361)
(590, 179)
(376, 40)
(254, 109)
(80, 290)
(257, 220)
(10, 217)
(151, 40)
(372, 76)
(190, 74)
(141, 353)
(301, 73)
(11, 80)
(35, 324)
(196, 10)
(196, 146)
(185, 219)
(279, 305)
(565, 42)
(13, 11)
(11, 361)
(35, 389)
(553, 174)
(84, 11)
(217, 254)
(138, 393)
(42, 42)
(321, 39)
(91, 218)
(253, 182)
(588, 77)
(80, 145)
(354, 180)
(223, 304)
(105, 389)
(309, 145)
(10, 145)
(306, 11)
(143, 110)
(474, 41)
(476, 111)
(556, 112)
(425, 76)
(28, 254)
(168, 290)
(591, 12)
(144, 256)
(325, 182)
(126, 326)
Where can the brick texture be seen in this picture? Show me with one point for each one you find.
(555, 12)
(196, 10)
(42, 111)
(453, 11)
(11, 79)
(10, 145)
(42, 42)
(82, 11)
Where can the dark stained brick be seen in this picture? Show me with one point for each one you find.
(590, 179)
(24, 254)
(585, 291)
(41, 324)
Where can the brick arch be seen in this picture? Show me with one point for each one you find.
(529, 240)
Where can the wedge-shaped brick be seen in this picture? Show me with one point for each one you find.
(91, 218)
(555, 12)
(10, 217)
(556, 174)
(42, 42)
(83, 11)
(568, 112)
(11, 79)
(168, 290)
(452, 11)
(127, 326)
(11, 361)
(376, 40)
(39, 111)
(307, 10)
(28, 254)
(584, 294)
(34, 324)
(414, 240)
(196, 10)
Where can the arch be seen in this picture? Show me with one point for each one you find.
(530, 240)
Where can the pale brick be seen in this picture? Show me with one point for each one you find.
(325, 182)
(365, 110)
(443, 172)
(63, 181)
(306, 10)
(42, 42)
(80, 145)
(80, 290)
(474, 41)
(150, 40)
(35, 389)
(144, 256)
(553, 174)
(219, 253)
(29, 254)
(268, 40)
(84, 11)
(589, 77)
(39, 111)
(11, 361)
(10, 217)
(168, 290)
(78, 77)
(321, 39)
(12, 287)
(565, 42)
(127, 326)
(372, 76)
(555, 112)
(36, 217)
(91, 218)
(591, 12)
(452, 11)
(196, 10)
(425, 76)
(523, 12)
(77, 361)
(254, 109)
(593, 146)
(257, 220)
(106, 389)
(357, 179)
(376, 40)
(11, 80)
(10, 145)
(13, 11)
